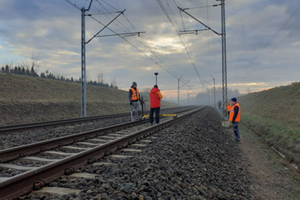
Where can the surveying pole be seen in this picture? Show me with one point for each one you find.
(156, 73)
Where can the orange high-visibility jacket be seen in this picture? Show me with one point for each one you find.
(238, 117)
(135, 94)
(228, 108)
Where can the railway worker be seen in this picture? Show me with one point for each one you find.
(234, 117)
(155, 97)
(134, 99)
(228, 108)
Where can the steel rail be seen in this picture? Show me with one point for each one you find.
(24, 183)
(25, 150)
(30, 126)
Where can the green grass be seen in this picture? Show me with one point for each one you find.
(25, 99)
(290, 179)
(273, 132)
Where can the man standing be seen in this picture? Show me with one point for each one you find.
(234, 117)
(134, 98)
(155, 97)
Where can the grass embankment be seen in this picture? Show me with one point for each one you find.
(282, 137)
(26, 99)
(274, 115)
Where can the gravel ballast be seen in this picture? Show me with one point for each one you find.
(10, 140)
(14, 139)
(194, 159)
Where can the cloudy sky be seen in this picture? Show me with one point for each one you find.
(262, 41)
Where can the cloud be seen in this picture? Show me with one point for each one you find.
(249, 84)
(53, 29)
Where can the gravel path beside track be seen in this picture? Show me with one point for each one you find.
(194, 159)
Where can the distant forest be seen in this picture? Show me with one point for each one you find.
(31, 72)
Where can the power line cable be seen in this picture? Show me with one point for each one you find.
(144, 43)
(207, 6)
(186, 47)
(166, 12)
(141, 40)
(177, 31)
(109, 5)
(170, 72)
(73, 4)
(274, 35)
(169, 18)
(297, 27)
(124, 27)
(163, 67)
(176, 23)
(190, 54)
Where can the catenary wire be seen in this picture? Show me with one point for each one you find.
(296, 28)
(177, 31)
(273, 36)
(124, 27)
(189, 51)
(144, 44)
(170, 72)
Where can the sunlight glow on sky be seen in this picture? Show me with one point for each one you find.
(258, 55)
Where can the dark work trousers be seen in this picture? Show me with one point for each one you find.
(235, 126)
(156, 110)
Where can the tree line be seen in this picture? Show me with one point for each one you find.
(20, 70)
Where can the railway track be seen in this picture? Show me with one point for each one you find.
(50, 124)
(24, 137)
(71, 152)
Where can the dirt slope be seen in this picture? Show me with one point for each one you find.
(281, 103)
(274, 115)
(25, 99)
